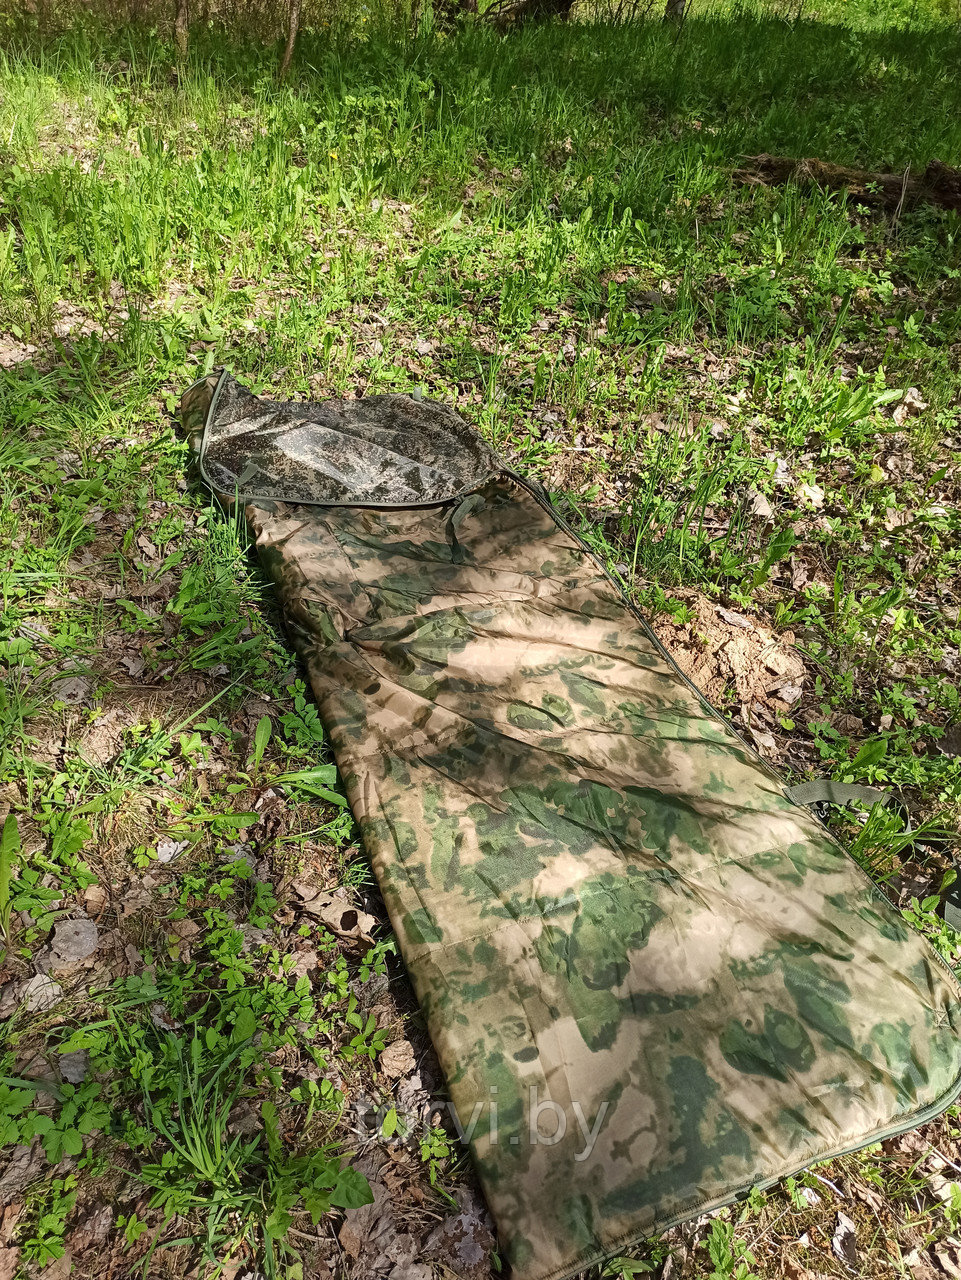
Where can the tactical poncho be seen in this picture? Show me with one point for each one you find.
(652, 979)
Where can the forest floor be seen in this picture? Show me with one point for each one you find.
(746, 397)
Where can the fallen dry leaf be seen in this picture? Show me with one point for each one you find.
(411, 1271)
(758, 505)
(463, 1242)
(94, 898)
(792, 1270)
(13, 353)
(23, 1165)
(9, 1217)
(870, 1197)
(40, 993)
(73, 1067)
(844, 1242)
(368, 1230)
(766, 743)
(812, 495)
(397, 1059)
(735, 619)
(909, 406)
(94, 1228)
(73, 689)
(74, 940)
(336, 913)
(847, 725)
(167, 850)
(949, 1260)
(783, 662)
(895, 519)
(60, 1269)
(305, 962)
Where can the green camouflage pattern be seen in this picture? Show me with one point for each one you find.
(651, 979)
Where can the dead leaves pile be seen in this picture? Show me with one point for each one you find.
(395, 1239)
(728, 654)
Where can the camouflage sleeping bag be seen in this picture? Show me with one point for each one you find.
(652, 978)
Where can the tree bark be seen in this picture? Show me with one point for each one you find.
(181, 23)
(674, 10)
(293, 24)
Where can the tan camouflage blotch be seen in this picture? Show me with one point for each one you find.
(600, 893)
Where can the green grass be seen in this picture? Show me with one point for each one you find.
(544, 231)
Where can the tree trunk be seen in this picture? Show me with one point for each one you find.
(674, 10)
(294, 23)
(181, 23)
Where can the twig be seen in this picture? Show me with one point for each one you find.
(828, 1183)
(904, 189)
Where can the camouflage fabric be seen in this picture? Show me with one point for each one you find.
(384, 450)
(652, 980)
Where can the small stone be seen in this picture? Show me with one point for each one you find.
(40, 993)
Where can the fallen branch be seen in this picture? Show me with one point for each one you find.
(939, 184)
